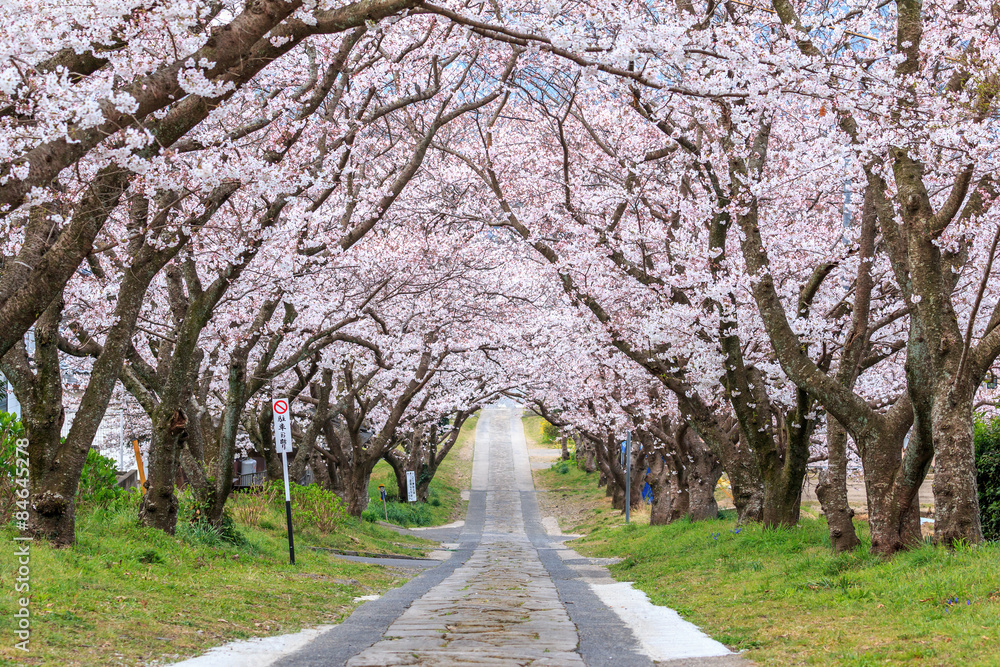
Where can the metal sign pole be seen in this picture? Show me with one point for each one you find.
(628, 474)
(283, 445)
(288, 508)
(385, 508)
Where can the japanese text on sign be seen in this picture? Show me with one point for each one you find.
(282, 426)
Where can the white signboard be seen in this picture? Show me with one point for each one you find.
(282, 426)
(283, 446)
(411, 486)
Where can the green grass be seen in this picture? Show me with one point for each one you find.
(444, 499)
(533, 425)
(576, 489)
(784, 598)
(571, 494)
(124, 594)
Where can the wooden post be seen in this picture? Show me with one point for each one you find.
(138, 463)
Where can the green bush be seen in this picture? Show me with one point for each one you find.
(99, 481)
(549, 433)
(10, 430)
(315, 506)
(123, 508)
(988, 475)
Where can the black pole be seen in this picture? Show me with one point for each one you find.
(291, 539)
(288, 508)
(628, 475)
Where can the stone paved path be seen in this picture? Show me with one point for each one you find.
(510, 594)
(500, 607)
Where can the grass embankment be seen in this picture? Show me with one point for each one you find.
(128, 595)
(571, 495)
(444, 498)
(537, 436)
(784, 598)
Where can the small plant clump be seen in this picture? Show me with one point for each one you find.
(250, 507)
(320, 508)
(549, 433)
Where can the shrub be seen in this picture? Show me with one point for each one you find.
(10, 430)
(318, 507)
(988, 475)
(99, 481)
(124, 508)
(549, 433)
(249, 507)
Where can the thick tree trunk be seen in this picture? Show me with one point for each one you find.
(54, 467)
(638, 480)
(564, 444)
(832, 490)
(580, 450)
(335, 455)
(356, 488)
(658, 479)
(702, 503)
(680, 499)
(956, 496)
(733, 453)
(617, 497)
(398, 465)
(586, 457)
(703, 477)
(202, 489)
(159, 505)
(892, 480)
(782, 499)
(612, 469)
(748, 492)
(54, 480)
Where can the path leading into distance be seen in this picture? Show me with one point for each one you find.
(510, 594)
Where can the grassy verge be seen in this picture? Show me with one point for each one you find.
(785, 599)
(128, 595)
(534, 432)
(444, 501)
(572, 495)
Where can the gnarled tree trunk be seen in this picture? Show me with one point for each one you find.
(658, 479)
(832, 490)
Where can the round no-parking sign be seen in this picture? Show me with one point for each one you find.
(281, 406)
